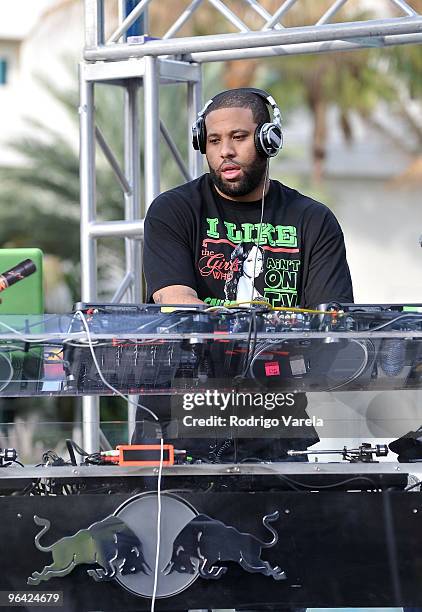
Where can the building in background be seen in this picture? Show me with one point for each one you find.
(38, 39)
(17, 20)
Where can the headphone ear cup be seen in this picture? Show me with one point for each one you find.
(275, 138)
(195, 142)
(199, 135)
(258, 141)
(268, 139)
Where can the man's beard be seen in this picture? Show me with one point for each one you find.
(253, 175)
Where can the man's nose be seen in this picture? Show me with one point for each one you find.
(227, 148)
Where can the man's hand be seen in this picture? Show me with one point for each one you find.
(176, 294)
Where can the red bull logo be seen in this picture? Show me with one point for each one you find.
(207, 541)
(110, 543)
(123, 547)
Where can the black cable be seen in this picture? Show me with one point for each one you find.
(89, 458)
(330, 486)
(95, 459)
(399, 318)
(416, 484)
(71, 452)
(226, 444)
(248, 345)
(26, 490)
(290, 483)
(254, 343)
(77, 448)
(52, 458)
(250, 348)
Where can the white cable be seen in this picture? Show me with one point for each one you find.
(8, 348)
(21, 335)
(97, 365)
(30, 340)
(258, 240)
(71, 342)
(157, 549)
(11, 372)
(68, 339)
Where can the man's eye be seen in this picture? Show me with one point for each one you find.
(213, 140)
(239, 137)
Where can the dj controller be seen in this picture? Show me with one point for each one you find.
(337, 346)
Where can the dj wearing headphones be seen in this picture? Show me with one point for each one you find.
(234, 235)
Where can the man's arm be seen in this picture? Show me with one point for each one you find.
(176, 294)
(168, 257)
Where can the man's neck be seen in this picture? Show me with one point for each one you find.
(252, 196)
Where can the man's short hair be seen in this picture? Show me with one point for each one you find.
(241, 98)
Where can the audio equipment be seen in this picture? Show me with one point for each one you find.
(268, 136)
(148, 347)
(153, 348)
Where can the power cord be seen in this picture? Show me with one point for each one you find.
(157, 550)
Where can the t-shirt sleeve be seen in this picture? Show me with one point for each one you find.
(327, 275)
(168, 258)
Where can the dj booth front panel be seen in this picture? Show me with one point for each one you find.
(222, 545)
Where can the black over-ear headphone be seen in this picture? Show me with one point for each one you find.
(268, 136)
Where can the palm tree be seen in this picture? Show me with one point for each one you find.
(403, 65)
(349, 81)
(43, 192)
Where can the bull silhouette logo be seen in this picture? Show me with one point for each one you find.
(109, 543)
(203, 542)
(123, 547)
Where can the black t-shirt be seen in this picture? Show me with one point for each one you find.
(296, 257)
(195, 237)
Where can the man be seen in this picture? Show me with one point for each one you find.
(192, 230)
(195, 235)
(234, 234)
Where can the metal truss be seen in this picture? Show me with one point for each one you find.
(136, 63)
(265, 30)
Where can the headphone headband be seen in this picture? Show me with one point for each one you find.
(268, 136)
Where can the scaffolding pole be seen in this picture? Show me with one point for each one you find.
(133, 248)
(189, 46)
(152, 131)
(90, 405)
